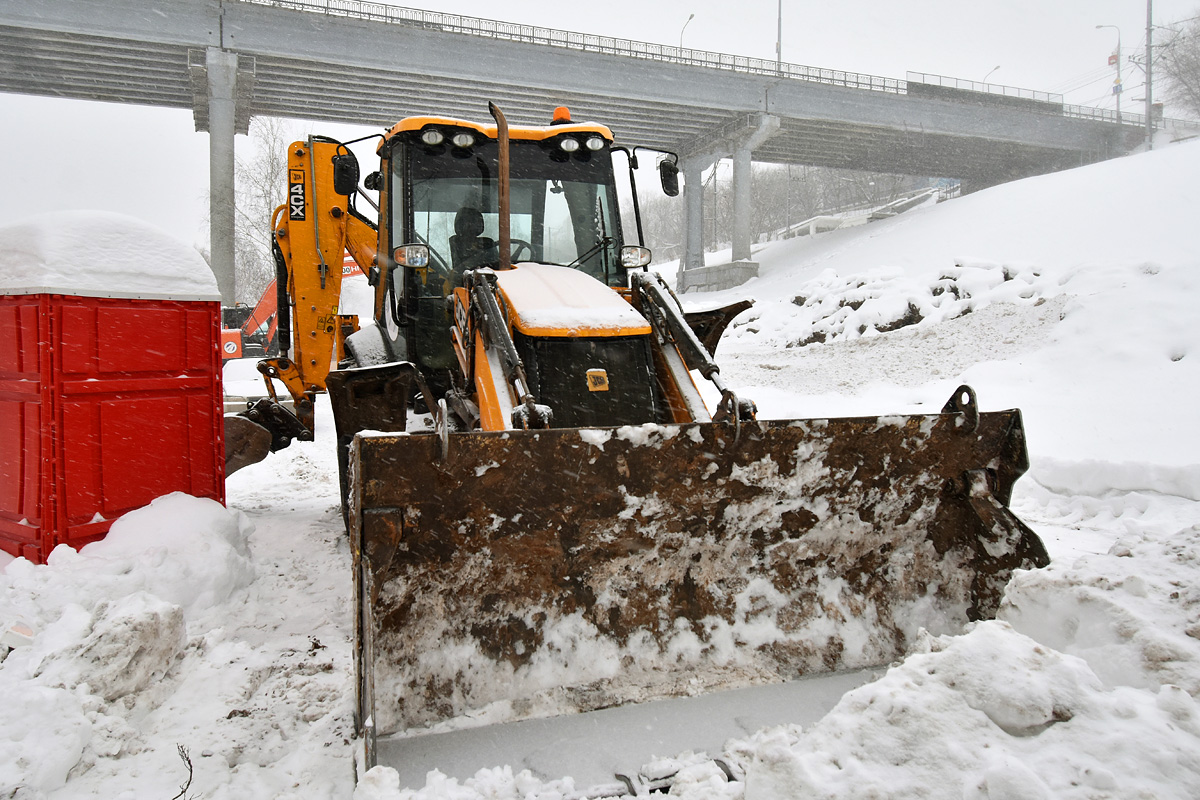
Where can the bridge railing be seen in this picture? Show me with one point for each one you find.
(985, 88)
(532, 34)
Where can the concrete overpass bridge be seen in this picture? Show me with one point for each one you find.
(371, 64)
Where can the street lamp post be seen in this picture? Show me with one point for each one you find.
(779, 41)
(684, 28)
(1120, 86)
(993, 69)
(1149, 75)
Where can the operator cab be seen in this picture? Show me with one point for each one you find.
(441, 191)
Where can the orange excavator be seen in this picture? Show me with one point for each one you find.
(531, 471)
(248, 332)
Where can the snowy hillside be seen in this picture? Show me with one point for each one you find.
(1071, 296)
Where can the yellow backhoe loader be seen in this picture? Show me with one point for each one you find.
(545, 515)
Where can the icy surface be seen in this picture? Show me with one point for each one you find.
(100, 254)
(1084, 688)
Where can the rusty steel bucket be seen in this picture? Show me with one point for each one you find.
(534, 573)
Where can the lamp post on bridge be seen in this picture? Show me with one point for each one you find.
(993, 69)
(1119, 87)
(779, 42)
(681, 30)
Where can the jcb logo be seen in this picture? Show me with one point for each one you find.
(597, 380)
(296, 194)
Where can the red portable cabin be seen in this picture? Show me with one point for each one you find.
(110, 376)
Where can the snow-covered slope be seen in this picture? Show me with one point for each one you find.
(1071, 296)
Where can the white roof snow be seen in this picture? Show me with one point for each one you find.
(546, 298)
(100, 254)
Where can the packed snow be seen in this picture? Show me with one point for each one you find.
(221, 638)
(88, 254)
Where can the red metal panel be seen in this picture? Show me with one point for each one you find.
(24, 500)
(105, 404)
(148, 340)
(143, 450)
(76, 348)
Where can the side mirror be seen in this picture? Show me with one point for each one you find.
(633, 256)
(345, 174)
(668, 173)
(411, 255)
(373, 182)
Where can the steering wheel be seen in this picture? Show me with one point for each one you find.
(519, 245)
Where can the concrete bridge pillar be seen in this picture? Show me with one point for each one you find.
(740, 139)
(693, 215)
(222, 89)
(222, 93)
(742, 202)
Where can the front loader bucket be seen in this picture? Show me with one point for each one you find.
(534, 573)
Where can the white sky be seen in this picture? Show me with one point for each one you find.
(150, 163)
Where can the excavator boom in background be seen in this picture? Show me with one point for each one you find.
(251, 331)
(546, 515)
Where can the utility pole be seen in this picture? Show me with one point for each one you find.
(1119, 87)
(1149, 68)
(779, 42)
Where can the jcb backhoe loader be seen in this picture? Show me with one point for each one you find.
(545, 515)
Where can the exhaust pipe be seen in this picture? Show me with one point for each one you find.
(505, 244)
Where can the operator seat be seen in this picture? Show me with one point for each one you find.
(469, 250)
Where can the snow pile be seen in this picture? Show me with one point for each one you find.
(991, 714)
(109, 623)
(100, 254)
(1043, 294)
(1133, 626)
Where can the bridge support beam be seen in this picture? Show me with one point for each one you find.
(742, 201)
(693, 215)
(739, 140)
(222, 94)
(222, 88)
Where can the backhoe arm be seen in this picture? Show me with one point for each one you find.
(313, 231)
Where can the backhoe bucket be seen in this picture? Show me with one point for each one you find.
(535, 573)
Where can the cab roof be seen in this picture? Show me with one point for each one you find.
(527, 132)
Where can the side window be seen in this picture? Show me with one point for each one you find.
(559, 240)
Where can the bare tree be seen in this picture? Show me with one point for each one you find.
(780, 196)
(261, 186)
(1180, 65)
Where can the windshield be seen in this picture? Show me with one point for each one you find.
(563, 207)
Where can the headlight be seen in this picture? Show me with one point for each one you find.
(463, 140)
(594, 143)
(412, 255)
(568, 145)
(432, 137)
(633, 256)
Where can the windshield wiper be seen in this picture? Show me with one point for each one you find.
(604, 242)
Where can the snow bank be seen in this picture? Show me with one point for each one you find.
(1042, 294)
(100, 254)
(1132, 613)
(109, 623)
(991, 714)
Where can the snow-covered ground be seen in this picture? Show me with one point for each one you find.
(225, 635)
